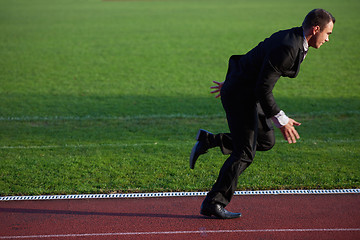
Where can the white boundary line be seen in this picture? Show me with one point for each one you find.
(174, 194)
(314, 141)
(185, 232)
(89, 117)
(84, 145)
(154, 116)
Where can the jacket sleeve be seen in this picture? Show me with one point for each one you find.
(274, 65)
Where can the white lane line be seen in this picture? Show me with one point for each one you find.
(83, 145)
(89, 117)
(312, 141)
(184, 232)
(157, 116)
(176, 194)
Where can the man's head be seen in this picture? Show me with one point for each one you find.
(318, 25)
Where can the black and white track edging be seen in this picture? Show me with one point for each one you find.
(173, 194)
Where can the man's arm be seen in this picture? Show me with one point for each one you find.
(274, 65)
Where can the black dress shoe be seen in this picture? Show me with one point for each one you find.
(200, 147)
(218, 211)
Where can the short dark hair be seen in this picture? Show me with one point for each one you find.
(318, 17)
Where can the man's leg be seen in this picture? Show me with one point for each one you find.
(242, 119)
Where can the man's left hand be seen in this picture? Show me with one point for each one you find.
(289, 132)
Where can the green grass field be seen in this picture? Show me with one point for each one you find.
(107, 96)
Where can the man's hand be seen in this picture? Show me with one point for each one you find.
(289, 132)
(217, 88)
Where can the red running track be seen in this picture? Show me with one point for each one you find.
(333, 216)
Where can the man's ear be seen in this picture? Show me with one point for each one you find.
(315, 30)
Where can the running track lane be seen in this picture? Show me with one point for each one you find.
(330, 216)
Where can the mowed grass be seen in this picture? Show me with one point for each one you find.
(107, 96)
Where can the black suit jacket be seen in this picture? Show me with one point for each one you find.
(254, 74)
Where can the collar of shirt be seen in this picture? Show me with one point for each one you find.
(305, 44)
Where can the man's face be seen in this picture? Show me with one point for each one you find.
(321, 36)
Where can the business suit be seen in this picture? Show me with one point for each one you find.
(248, 101)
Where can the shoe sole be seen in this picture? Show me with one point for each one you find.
(208, 214)
(205, 213)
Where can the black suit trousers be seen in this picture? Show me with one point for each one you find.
(250, 131)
